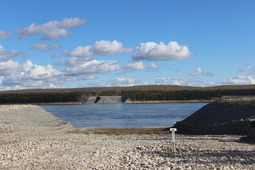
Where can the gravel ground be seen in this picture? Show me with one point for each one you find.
(56, 146)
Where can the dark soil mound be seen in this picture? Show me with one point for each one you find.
(222, 111)
(221, 117)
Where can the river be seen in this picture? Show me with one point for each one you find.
(123, 115)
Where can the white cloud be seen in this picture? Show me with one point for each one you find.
(72, 61)
(118, 82)
(182, 82)
(89, 77)
(169, 81)
(122, 82)
(29, 75)
(4, 35)
(125, 82)
(100, 48)
(44, 47)
(1, 79)
(38, 72)
(140, 66)
(199, 71)
(6, 55)
(50, 30)
(153, 52)
(76, 67)
(241, 80)
(248, 68)
(9, 67)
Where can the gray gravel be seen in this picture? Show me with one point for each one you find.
(53, 146)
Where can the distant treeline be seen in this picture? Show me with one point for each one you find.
(139, 95)
(22, 98)
(185, 94)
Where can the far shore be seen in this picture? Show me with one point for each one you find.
(131, 102)
(169, 101)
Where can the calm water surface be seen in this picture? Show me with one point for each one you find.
(123, 115)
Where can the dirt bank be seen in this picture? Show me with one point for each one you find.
(229, 116)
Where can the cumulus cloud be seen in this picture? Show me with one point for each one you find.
(71, 62)
(9, 67)
(199, 71)
(29, 75)
(44, 47)
(141, 66)
(100, 48)
(182, 82)
(38, 72)
(169, 81)
(118, 82)
(77, 67)
(4, 35)
(50, 30)
(241, 80)
(154, 52)
(6, 55)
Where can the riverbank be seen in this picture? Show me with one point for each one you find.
(131, 102)
(31, 138)
(168, 101)
(228, 116)
(133, 151)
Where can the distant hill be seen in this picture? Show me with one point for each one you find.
(130, 88)
(135, 93)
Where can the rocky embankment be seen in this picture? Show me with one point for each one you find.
(229, 116)
(30, 120)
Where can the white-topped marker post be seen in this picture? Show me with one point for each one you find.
(173, 130)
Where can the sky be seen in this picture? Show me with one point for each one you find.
(95, 43)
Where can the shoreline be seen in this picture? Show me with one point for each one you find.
(168, 101)
(128, 102)
(121, 131)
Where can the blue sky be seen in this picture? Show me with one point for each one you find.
(60, 44)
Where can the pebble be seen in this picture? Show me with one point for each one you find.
(43, 149)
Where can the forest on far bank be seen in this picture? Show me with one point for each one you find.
(135, 95)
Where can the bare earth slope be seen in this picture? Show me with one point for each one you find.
(232, 116)
(223, 111)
